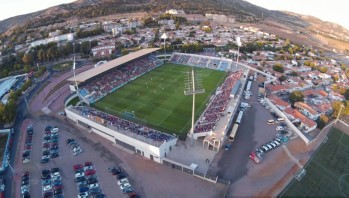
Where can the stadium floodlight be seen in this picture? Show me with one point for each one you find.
(238, 42)
(193, 86)
(76, 83)
(164, 36)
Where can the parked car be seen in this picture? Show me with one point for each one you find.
(279, 128)
(122, 181)
(90, 172)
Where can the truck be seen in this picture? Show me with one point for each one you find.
(248, 87)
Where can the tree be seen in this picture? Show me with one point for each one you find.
(294, 73)
(278, 67)
(296, 96)
(323, 69)
(322, 121)
(287, 42)
(27, 59)
(177, 25)
(336, 106)
(282, 78)
(346, 94)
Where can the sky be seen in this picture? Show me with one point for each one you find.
(327, 10)
(10, 8)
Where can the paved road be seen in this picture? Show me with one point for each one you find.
(253, 131)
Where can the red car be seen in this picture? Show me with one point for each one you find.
(88, 163)
(46, 145)
(90, 172)
(57, 187)
(26, 173)
(77, 167)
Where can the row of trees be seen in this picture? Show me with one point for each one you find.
(8, 111)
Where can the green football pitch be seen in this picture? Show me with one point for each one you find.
(327, 173)
(157, 98)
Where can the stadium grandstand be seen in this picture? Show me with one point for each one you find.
(96, 83)
(216, 63)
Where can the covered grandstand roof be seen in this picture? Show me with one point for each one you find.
(82, 77)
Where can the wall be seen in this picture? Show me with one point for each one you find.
(148, 149)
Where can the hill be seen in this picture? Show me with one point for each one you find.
(244, 12)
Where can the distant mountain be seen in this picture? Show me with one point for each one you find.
(243, 12)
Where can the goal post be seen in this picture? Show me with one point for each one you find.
(130, 114)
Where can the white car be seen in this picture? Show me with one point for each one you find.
(83, 195)
(125, 185)
(47, 188)
(88, 168)
(79, 175)
(122, 181)
(279, 128)
(55, 174)
(93, 185)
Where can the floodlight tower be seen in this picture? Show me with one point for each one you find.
(238, 42)
(164, 36)
(193, 86)
(76, 83)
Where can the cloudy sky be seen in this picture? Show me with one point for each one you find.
(328, 10)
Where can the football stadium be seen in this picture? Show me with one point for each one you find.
(137, 101)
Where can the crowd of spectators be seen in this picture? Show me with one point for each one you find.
(108, 82)
(123, 125)
(201, 61)
(217, 104)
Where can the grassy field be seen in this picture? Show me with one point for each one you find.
(327, 172)
(157, 98)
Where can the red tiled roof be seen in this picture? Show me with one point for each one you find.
(303, 105)
(276, 87)
(278, 101)
(298, 115)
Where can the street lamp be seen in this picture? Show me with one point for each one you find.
(238, 42)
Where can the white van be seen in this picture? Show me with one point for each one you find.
(271, 121)
(281, 119)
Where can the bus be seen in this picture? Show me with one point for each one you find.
(248, 88)
(238, 120)
(233, 132)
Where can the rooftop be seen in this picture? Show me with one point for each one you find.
(82, 77)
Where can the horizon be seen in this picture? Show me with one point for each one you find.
(334, 12)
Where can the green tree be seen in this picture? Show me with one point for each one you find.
(282, 78)
(278, 67)
(323, 69)
(296, 96)
(294, 73)
(27, 59)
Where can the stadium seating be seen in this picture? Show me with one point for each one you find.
(123, 125)
(217, 104)
(201, 61)
(100, 86)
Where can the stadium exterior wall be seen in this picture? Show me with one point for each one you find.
(147, 150)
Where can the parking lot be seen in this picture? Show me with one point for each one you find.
(147, 178)
(253, 132)
(64, 162)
